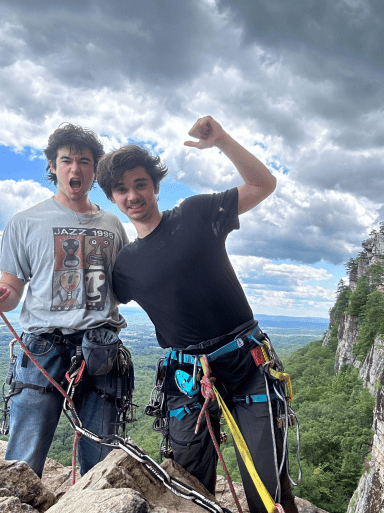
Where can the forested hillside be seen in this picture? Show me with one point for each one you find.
(335, 415)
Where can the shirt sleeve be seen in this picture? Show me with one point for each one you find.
(220, 210)
(14, 259)
(119, 280)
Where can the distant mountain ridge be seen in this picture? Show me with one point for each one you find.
(266, 321)
(283, 321)
(278, 321)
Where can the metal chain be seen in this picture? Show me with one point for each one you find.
(114, 441)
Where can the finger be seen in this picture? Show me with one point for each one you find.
(199, 134)
(193, 144)
(194, 128)
(200, 129)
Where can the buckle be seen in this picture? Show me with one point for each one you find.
(256, 335)
(57, 339)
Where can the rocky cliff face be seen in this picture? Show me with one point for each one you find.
(347, 337)
(369, 496)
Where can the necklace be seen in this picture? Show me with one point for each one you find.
(86, 220)
(82, 219)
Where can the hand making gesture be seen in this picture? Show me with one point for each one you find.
(208, 131)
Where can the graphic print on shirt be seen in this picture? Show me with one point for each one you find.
(82, 258)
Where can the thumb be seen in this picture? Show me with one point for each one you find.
(193, 144)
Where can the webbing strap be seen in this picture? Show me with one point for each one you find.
(243, 450)
(235, 344)
(180, 413)
(261, 398)
(17, 387)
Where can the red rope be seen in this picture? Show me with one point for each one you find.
(209, 396)
(33, 359)
(74, 448)
(54, 383)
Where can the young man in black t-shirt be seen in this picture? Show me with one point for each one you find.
(179, 272)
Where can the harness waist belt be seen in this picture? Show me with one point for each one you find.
(257, 335)
(214, 341)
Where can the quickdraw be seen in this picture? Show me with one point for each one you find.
(264, 354)
(114, 441)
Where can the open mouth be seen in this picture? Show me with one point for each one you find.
(75, 184)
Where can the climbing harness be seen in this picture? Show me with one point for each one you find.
(268, 502)
(115, 441)
(267, 360)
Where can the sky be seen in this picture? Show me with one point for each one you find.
(300, 84)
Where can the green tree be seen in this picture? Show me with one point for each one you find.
(335, 414)
(358, 297)
(372, 324)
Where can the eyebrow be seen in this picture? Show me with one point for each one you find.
(136, 180)
(70, 156)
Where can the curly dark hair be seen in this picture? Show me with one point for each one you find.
(78, 139)
(112, 166)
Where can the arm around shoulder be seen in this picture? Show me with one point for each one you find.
(11, 291)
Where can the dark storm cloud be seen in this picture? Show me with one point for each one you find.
(358, 174)
(336, 48)
(341, 29)
(103, 42)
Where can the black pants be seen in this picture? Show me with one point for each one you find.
(236, 375)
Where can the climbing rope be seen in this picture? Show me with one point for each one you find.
(268, 502)
(74, 451)
(206, 384)
(41, 369)
(116, 442)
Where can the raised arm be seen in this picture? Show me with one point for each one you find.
(258, 181)
(11, 290)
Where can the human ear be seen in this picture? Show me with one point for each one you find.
(51, 166)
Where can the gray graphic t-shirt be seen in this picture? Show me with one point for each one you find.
(67, 259)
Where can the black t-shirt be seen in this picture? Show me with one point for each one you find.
(180, 273)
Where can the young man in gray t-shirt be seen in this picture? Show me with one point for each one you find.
(64, 249)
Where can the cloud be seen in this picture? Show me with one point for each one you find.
(131, 231)
(305, 224)
(250, 267)
(299, 84)
(18, 196)
(284, 288)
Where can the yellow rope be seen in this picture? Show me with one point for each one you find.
(243, 450)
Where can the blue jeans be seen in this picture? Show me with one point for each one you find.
(34, 416)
